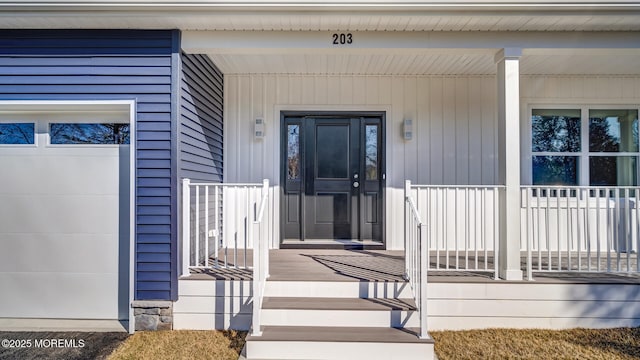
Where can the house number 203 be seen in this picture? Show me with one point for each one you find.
(342, 39)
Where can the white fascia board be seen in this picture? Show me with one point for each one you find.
(264, 42)
(337, 5)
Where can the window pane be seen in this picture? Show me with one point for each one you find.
(64, 133)
(371, 156)
(613, 130)
(613, 171)
(555, 170)
(332, 151)
(17, 133)
(293, 152)
(555, 130)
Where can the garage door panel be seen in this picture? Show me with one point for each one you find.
(59, 214)
(55, 175)
(59, 296)
(64, 230)
(49, 253)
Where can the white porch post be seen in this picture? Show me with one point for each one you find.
(508, 64)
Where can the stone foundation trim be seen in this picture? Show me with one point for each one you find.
(153, 315)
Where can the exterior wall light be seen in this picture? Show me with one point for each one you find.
(407, 129)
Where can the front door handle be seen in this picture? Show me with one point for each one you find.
(356, 184)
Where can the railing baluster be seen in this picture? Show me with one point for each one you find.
(437, 223)
(455, 227)
(547, 230)
(422, 281)
(610, 220)
(558, 239)
(538, 231)
(216, 209)
(529, 196)
(483, 218)
(587, 226)
(627, 228)
(496, 250)
(598, 245)
(206, 225)
(475, 228)
(445, 227)
(467, 228)
(197, 232)
(579, 228)
(569, 228)
(249, 231)
(617, 229)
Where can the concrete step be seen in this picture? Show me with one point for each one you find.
(329, 343)
(339, 289)
(356, 312)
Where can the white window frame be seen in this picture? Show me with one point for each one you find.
(584, 154)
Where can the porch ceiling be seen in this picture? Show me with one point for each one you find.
(430, 63)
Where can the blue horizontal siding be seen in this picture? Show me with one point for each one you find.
(154, 239)
(156, 286)
(92, 65)
(154, 248)
(114, 65)
(153, 125)
(201, 122)
(153, 267)
(150, 276)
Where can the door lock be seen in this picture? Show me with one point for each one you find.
(355, 176)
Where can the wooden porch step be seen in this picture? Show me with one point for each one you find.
(357, 304)
(307, 342)
(338, 289)
(339, 312)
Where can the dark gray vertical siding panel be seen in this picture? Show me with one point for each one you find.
(107, 65)
(201, 110)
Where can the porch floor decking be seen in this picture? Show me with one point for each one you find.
(388, 266)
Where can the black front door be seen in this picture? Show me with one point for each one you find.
(333, 176)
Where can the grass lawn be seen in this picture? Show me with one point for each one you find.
(609, 344)
(183, 344)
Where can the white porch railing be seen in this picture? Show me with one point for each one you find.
(219, 219)
(218, 225)
(416, 258)
(580, 228)
(260, 263)
(463, 225)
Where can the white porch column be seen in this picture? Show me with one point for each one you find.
(508, 63)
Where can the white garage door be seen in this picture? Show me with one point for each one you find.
(64, 217)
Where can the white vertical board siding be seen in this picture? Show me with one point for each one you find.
(454, 128)
(573, 91)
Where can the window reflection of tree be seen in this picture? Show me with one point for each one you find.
(371, 152)
(293, 152)
(17, 133)
(610, 133)
(71, 133)
(556, 133)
